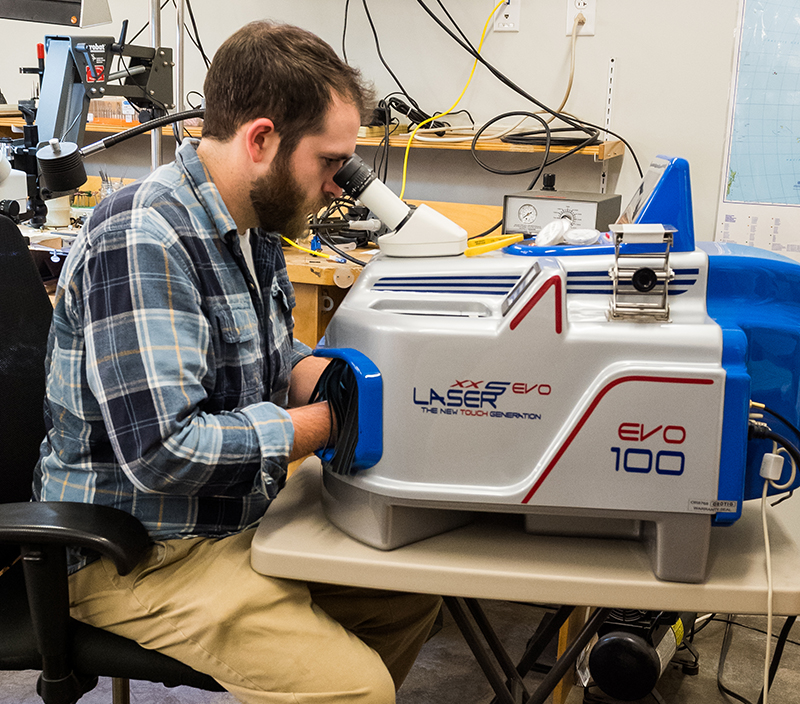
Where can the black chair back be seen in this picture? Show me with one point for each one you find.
(25, 314)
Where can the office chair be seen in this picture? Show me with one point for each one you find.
(36, 632)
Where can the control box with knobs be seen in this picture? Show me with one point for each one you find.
(527, 212)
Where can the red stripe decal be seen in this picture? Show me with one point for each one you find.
(552, 281)
(591, 409)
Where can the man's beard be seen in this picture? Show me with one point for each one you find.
(279, 202)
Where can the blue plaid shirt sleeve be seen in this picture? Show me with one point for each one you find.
(168, 365)
(147, 346)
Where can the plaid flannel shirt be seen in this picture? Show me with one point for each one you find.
(167, 373)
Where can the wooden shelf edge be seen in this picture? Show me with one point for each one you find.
(100, 128)
(602, 152)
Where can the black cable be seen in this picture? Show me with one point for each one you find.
(573, 121)
(533, 137)
(195, 40)
(199, 44)
(695, 655)
(194, 92)
(380, 161)
(318, 226)
(147, 126)
(750, 628)
(783, 420)
(487, 232)
(146, 24)
(455, 24)
(765, 433)
(499, 75)
(338, 386)
(696, 630)
(776, 656)
(344, 30)
(510, 172)
(324, 239)
(383, 61)
(723, 655)
(783, 638)
(783, 498)
(544, 164)
(384, 148)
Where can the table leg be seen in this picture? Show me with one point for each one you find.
(569, 656)
(536, 647)
(504, 679)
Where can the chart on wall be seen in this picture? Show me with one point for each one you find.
(760, 194)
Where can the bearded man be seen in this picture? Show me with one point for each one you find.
(175, 390)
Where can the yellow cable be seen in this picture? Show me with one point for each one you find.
(304, 249)
(579, 20)
(431, 119)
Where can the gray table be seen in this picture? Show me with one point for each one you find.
(492, 558)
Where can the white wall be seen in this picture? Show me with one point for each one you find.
(673, 71)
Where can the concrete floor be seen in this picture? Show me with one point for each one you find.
(446, 673)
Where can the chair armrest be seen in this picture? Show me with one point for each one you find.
(111, 532)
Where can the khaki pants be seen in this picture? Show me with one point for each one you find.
(265, 640)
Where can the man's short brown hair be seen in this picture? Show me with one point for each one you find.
(281, 72)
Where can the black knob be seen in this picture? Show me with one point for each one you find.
(9, 208)
(644, 280)
(548, 182)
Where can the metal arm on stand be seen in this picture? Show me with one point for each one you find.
(155, 41)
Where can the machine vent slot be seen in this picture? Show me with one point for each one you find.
(473, 285)
(452, 309)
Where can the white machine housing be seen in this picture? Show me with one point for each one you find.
(531, 400)
(592, 390)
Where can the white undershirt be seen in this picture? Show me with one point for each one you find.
(247, 251)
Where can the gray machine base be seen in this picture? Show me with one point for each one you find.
(677, 543)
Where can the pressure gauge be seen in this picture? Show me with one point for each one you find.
(527, 213)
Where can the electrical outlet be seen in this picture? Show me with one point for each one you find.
(506, 19)
(588, 8)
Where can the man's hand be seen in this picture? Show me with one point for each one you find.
(314, 425)
(314, 428)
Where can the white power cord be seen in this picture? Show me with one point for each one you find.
(769, 589)
(771, 470)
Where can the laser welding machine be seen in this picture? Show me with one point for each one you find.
(596, 390)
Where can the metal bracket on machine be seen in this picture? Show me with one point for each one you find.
(641, 272)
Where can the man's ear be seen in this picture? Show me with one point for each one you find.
(261, 140)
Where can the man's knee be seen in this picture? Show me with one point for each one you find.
(364, 680)
(379, 684)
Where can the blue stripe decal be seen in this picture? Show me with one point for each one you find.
(607, 282)
(609, 291)
(478, 284)
(449, 278)
(579, 282)
(440, 290)
(679, 272)
(475, 285)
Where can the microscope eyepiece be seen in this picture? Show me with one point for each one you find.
(354, 176)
